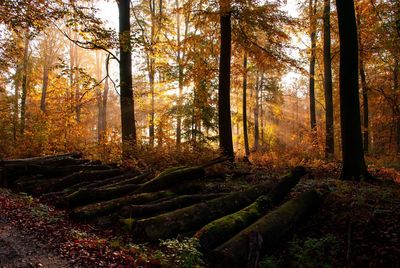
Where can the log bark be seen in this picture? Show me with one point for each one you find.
(272, 227)
(220, 230)
(87, 195)
(114, 205)
(147, 210)
(103, 208)
(193, 217)
(113, 180)
(75, 155)
(169, 179)
(75, 178)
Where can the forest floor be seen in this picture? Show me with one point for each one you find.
(358, 225)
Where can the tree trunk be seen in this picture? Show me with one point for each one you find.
(17, 82)
(224, 106)
(352, 149)
(180, 74)
(245, 136)
(45, 79)
(313, 14)
(24, 83)
(125, 68)
(329, 128)
(220, 230)
(272, 228)
(256, 111)
(148, 210)
(193, 217)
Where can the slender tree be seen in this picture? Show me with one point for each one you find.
(125, 70)
(24, 87)
(224, 109)
(329, 134)
(364, 86)
(245, 134)
(354, 167)
(313, 27)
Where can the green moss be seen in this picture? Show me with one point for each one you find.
(127, 224)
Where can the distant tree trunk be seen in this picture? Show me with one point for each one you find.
(396, 71)
(24, 83)
(152, 104)
(313, 12)
(77, 88)
(125, 68)
(180, 75)
(45, 80)
(245, 135)
(262, 117)
(104, 108)
(364, 87)
(329, 135)
(17, 82)
(256, 111)
(224, 109)
(354, 167)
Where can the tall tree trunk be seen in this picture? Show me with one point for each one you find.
(262, 117)
(152, 104)
(245, 135)
(364, 87)
(396, 71)
(313, 11)
(125, 69)
(329, 134)
(45, 80)
(104, 108)
(24, 83)
(256, 111)
(224, 107)
(180, 74)
(17, 82)
(77, 89)
(354, 167)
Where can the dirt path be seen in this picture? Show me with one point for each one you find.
(22, 250)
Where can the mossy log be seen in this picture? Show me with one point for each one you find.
(138, 179)
(113, 180)
(75, 178)
(114, 205)
(86, 195)
(193, 217)
(168, 179)
(220, 230)
(147, 210)
(103, 208)
(272, 227)
(75, 155)
(54, 197)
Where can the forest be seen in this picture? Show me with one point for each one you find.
(191, 133)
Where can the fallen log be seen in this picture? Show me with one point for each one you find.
(169, 179)
(193, 217)
(114, 205)
(112, 180)
(86, 196)
(139, 179)
(272, 227)
(103, 208)
(147, 210)
(57, 184)
(220, 230)
(76, 155)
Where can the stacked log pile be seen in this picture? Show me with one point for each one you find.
(173, 203)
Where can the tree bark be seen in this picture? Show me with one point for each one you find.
(148, 210)
(256, 112)
(272, 228)
(194, 217)
(329, 127)
(24, 87)
(45, 79)
(220, 230)
(354, 167)
(224, 107)
(245, 135)
(313, 13)
(364, 88)
(125, 67)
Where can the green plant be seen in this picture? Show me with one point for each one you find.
(184, 253)
(314, 252)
